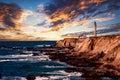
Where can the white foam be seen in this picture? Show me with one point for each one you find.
(64, 76)
(52, 78)
(39, 45)
(4, 60)
(15, 56)
(47, 66)
(7, 60)
(26, 52)
(22, 57)
(13, 78)
(71, 74)
(75, 74)
(63, 73)
(43, 45)
(37, 78)
(59, 77)
(42, 78)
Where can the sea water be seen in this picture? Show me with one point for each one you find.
(17, 66)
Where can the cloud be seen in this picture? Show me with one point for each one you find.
(36, 18)
(111, 28)
(27, 26)
(59, 17)
(82, 23)
(41, 24)
(61, 12)
(41, 8)
(19, 36)
(74, 8)
(10, 15)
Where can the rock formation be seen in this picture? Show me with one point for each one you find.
(106, 47)
(102, 54)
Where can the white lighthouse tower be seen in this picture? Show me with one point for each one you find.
(95, 29)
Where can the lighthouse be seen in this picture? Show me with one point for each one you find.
(95, 29)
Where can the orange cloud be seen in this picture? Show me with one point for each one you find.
(64, 25)
(97, 1)
(20, 36)
(72, 11)
(10, 15)
(69, 36)
(65, 16)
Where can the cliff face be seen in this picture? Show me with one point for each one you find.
(68, 42)
(105, 48)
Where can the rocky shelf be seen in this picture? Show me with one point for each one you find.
(94, 56)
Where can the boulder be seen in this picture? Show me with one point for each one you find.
(30, 77)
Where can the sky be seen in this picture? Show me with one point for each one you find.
(57, 19)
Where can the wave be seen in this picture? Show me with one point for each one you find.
(37, 78)
(62, 73)
(13, 78)
(15, 56)
(55, 75)
(41, 78)
(13, 60)
(47, 66)
(27, 57)
(48, 78)
(43, 45)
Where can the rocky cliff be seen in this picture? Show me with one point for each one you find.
(106, 47)
(102, 53)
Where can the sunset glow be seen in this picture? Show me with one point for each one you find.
(57, 19)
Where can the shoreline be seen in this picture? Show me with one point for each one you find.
(88, 55)
(94, 57)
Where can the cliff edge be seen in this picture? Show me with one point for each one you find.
(102, 54)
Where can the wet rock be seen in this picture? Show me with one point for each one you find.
(35, 54)
(103, 47)
(101, 54)
(0, 76)
(30, 77)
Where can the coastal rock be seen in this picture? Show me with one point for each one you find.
(101, 54)
(84, 45)
(105, 47)
(68, 42)
(30, 77)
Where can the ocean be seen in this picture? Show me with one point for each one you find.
(17, 62)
